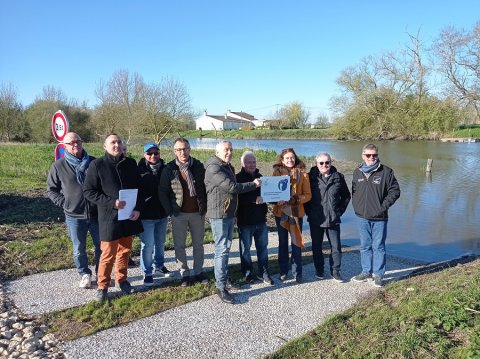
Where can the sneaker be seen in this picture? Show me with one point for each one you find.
(225, 296)
(231, 285)
(362, 277)
(163, 272)
(148, 280)
(248, 277)
(86, 281)
(185, 282)
(319, 275)
(283, 277)
(102, 295)
(378, 281)
(202, 278)
(126, 287)
(337, 277)
(299, 279)
(266, 279)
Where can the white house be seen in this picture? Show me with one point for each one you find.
(229, 121)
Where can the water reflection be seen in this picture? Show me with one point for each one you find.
(437, 216)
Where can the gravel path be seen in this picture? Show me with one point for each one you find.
(264, 318)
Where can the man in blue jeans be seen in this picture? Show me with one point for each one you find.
(65, 189)
(153, 216)
(374, 190)
(252, 222)
(222, 198)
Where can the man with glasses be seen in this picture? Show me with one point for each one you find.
(330, 198)
(65, 189)
(153, 216)
(374, 190)
(183, 196)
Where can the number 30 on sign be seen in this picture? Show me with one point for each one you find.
(59, 125)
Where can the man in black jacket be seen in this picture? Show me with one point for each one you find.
(252, 222)
(374, 190)
(153, 216)
(106, 176)
(182, 194)
(65, 189)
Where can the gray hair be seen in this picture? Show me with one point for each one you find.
(370, 146)
(245, 155)
(219, 146)
(322, 154)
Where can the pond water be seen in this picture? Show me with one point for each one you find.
(437, 216)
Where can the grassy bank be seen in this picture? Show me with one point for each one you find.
(305, 133)
(436, 315)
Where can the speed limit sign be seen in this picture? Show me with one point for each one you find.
(59, 125)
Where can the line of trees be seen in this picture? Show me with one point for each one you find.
(126, 104)
(415, 92)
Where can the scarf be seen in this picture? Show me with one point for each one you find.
(185, 169)
(155, 167)
(80, 165)
(367, 169)
(289, 221)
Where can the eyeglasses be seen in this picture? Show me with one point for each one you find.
(185, 149)
(373, 155)
(76, 142)
(326, 163)
(152, 153)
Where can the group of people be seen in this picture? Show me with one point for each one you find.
(188, 191)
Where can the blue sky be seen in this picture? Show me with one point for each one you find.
(244, 55)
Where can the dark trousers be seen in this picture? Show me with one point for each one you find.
(333, 235)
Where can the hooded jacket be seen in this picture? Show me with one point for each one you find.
(222, 188)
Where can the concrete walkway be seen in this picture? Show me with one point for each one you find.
(264, 318)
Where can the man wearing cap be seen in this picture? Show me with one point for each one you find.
(182, 194)
(153, 216)
(106, 176)
(65, 189)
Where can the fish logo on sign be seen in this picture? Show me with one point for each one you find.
(282, 185)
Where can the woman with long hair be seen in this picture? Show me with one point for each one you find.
(289, 214)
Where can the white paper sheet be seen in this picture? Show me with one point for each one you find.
(130, 198)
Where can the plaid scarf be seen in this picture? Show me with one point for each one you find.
(185, 169)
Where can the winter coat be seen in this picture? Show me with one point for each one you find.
(300, 191)
(106, 176)
(65, 192)
(330, 198)
(171, 191)
(222, 188)
(250, 213)
(374, 193)
(149, 185)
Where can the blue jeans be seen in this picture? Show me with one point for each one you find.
(259, 232)
(78, 229)
(333, 236)
(283, 257)
(153, 244)
(372, 246)
(222, 230)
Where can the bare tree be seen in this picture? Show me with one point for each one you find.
(458, 53)
(293, 115)
(10, 113)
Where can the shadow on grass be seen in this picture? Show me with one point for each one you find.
(28, 207)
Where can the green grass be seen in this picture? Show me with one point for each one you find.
(304, 133)
(468, 132)
(429, 316)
